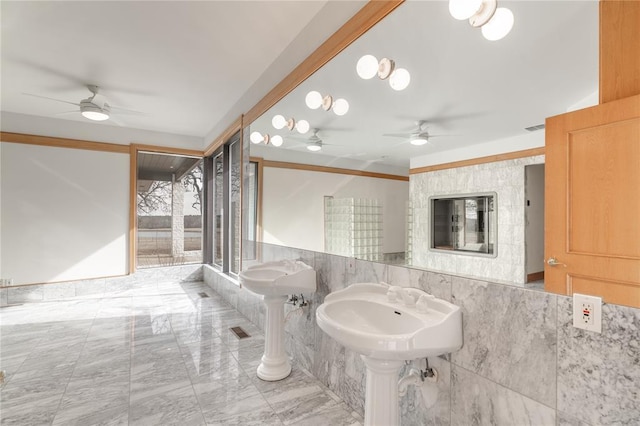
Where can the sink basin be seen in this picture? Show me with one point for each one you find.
(387, 325)
(279, 278)
(364, 319)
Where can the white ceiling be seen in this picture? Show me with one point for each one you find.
(193, 67)
(470, 90)
(190, 67)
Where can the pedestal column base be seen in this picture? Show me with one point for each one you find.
(275, 363)
(381, 401)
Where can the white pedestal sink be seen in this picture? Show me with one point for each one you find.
(386, 326)
(274, 281)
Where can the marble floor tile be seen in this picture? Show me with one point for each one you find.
(224, 412)
(30, 414)
(111, 415)
(173, 407)
(156, 354)
(252, 418)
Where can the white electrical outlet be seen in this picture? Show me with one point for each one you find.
(587, 312)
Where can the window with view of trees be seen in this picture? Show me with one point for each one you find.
(169, 209)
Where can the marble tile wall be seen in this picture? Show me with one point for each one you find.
(522, 362)
(97, 287)
(506, 178)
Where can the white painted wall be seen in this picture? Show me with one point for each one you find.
(506, 178)
(534, 217)
(293, 206)
(64, 213)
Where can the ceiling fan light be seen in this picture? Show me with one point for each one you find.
(302, 126)
(340, 106)
(400, 79)
(367, 67)
(94, 112)
(314, 146)
(278, 122)
(464, 9)
(276, 140)
(418, 140)
(256, 137)
(499, 25)
(313, 99)
(95, 115)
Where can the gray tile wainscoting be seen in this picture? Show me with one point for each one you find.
(522, 362)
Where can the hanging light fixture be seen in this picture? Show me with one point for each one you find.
(315, 100)
(340, 106)
(495, 22)
(278, 121)
(499, 25)
(302, 126)
(400, 79)
(256, 137)
(368, 66)
(464, 9)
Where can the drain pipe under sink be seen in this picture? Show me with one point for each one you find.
(425, 380)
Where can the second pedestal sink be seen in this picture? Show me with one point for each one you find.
(275, 281)
(387, 325)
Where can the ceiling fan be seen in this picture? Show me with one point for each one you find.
(96, 107)
(313, 143)
(419, 136)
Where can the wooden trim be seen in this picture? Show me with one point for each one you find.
(167, 150)
(224, 137)
(619, 47)
(535, 276)
(133, 216)
(133, 190)
(481, 160)
(370, 14)
(324, 169)
(63, 142)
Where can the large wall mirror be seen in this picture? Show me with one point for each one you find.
(467, 97)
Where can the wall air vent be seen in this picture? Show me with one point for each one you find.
(534, 128)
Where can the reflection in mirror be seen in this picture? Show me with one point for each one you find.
(467, 98)
(464, 224)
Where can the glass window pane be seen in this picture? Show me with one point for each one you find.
(235, 222)
(218, 209)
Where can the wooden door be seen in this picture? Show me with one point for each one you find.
(592, 199)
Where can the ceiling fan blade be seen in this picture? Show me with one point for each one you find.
(397, 135)
(67, 112)
(123, 111)
(51, 99)
(116, 120)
